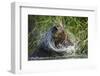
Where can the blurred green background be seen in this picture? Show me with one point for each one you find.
(38, 24)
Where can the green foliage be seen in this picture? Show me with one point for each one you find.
(78, 26)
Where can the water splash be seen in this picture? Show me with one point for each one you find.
(47, 42)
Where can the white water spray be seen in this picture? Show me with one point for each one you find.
(47, 43)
